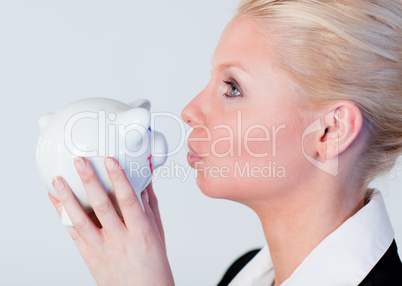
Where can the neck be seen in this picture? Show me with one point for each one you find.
(294, 225)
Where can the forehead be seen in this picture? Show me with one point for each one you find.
(243, 44)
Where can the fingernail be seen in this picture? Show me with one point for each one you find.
(109, 163)
(146, 196)
(58, 183)
(79, 163)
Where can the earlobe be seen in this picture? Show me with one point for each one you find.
(342, 125)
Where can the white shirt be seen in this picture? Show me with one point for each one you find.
(344, 257)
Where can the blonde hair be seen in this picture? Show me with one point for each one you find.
(344, 49)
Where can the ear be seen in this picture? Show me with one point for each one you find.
(343, 122)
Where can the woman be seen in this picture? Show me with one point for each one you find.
(310, 88)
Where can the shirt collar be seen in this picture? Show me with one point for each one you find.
(344, 257)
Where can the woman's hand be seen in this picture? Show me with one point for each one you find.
(128, 252)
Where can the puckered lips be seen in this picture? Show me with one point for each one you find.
(192, 156)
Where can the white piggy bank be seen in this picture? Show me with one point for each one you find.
(97, 128)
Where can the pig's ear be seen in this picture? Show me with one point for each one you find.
(138, 115)
(44, 120)
(144, 103)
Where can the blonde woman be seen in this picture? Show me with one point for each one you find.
(316, 86)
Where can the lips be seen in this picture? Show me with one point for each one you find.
(192, 152)
(192, 156)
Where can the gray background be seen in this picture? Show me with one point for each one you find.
(56, 52)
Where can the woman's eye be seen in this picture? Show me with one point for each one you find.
(232, 90)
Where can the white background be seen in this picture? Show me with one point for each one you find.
(56, 52)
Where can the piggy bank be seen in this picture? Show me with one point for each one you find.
(97, 128)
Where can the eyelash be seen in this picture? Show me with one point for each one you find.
(233, 85)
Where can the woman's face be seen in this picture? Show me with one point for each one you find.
(247, 127)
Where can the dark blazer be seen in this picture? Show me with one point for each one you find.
(387, 271)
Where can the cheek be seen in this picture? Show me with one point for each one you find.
(250, 157)
(239, 140)
(260, 141)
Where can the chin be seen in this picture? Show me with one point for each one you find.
(221, 188)
(212, 187)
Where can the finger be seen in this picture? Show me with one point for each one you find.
(148, 211)
(82, 223)
(129, 204)
(153, 203)
(151, 217)
(54, 201)
(73, 233)
(98, 198)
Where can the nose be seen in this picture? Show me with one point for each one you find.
(193, 113)
(159, 150)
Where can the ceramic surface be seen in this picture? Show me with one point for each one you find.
(97, 128)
